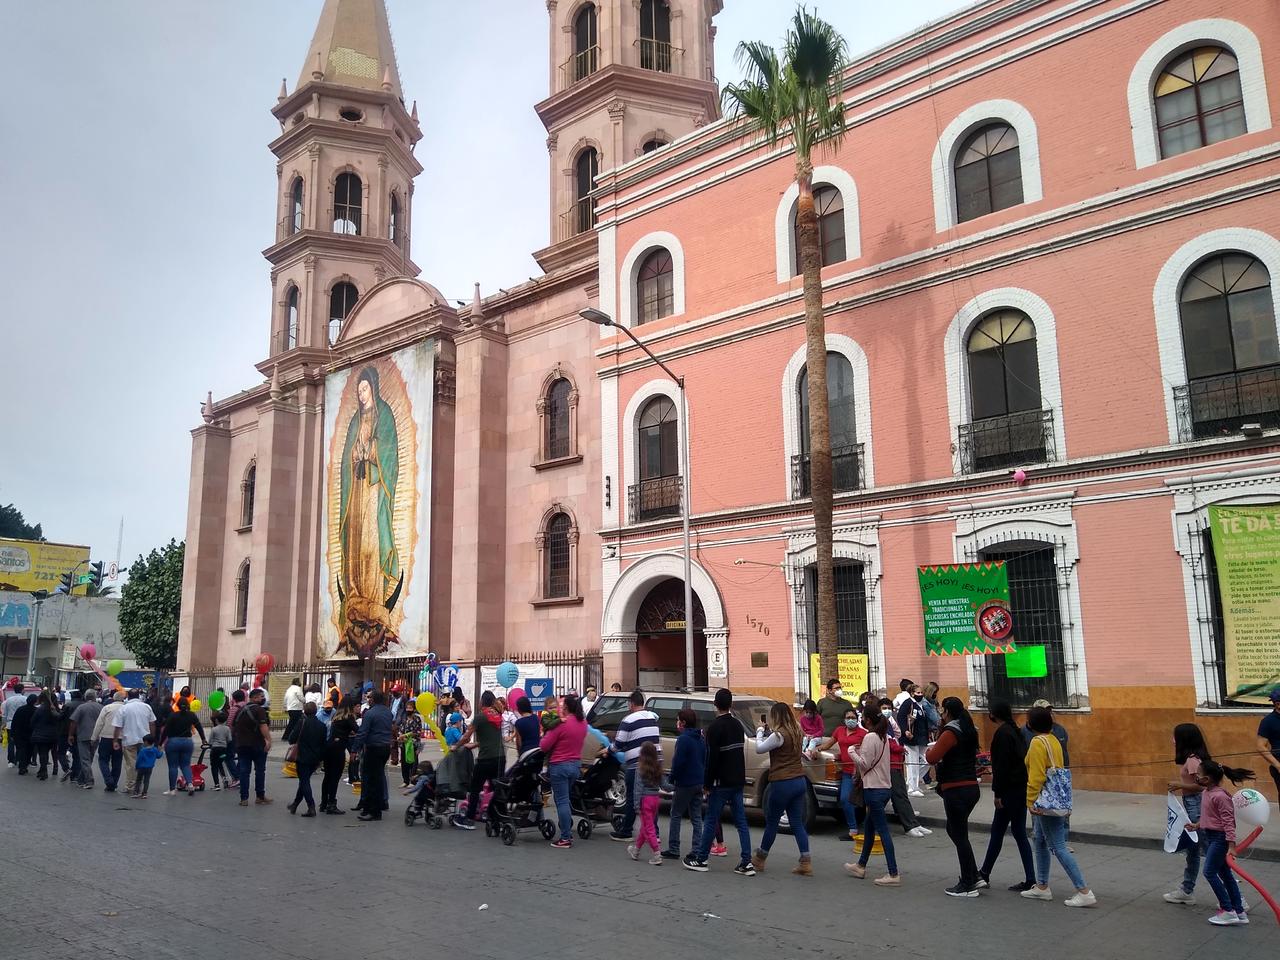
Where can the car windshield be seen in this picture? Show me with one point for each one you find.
(609, 711)
(752, 713)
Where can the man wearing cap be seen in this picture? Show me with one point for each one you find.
(109, 759)
(589, 699)
(1269, 737)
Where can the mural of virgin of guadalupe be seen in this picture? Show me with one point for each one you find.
(370, 580)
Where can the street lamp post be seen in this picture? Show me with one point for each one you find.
(602, 319)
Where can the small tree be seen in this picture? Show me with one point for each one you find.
(799, 97)
(14, 525)
(149, 607)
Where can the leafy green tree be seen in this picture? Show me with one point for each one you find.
(149, 607)
(13, 525)
(798, 97)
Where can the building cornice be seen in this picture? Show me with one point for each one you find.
(338, 246)
(339, 133)
(303, 96)
(624, 82)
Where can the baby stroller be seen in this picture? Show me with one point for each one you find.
(517, 800)
(439, 799)
(595, 789)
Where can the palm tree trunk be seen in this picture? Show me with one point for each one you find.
(819, 416)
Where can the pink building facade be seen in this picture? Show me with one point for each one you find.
(1050, 244)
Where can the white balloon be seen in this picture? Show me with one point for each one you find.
(1251, 808)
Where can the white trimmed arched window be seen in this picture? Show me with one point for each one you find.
(987, 159)
(849, 405)
(651, 455)
(835, 197)
(1198, 84)
(653, 277)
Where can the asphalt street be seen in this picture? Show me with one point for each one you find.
(201, 877)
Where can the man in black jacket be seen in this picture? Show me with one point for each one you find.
(725, 779)
(20, 731)
(374, 743)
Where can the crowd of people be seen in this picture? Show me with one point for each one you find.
(886, 751)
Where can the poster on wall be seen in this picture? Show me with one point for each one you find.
(1246, 548)
(966, 608)
(854, 670)
(375, 547)
(35, 565)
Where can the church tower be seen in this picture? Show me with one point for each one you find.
(345, 169)
(627, 77)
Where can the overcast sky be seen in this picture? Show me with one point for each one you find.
(140, 194)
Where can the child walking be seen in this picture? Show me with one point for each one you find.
(1189, 752)
(1218, 825)
(219, 763)
(146, 762)
(648, 783)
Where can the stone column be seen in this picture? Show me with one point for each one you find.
(619, 654)
(199, 628)
(272, 560)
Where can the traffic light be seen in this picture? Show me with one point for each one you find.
(97, 572)
(66, 584)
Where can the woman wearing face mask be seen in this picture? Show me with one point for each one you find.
(913, 721)
(956, 754)
(847, 734)
(832, 706)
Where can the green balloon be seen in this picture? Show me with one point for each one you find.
(114, 667)
(217, 699)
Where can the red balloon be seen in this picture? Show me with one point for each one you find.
(264, 662)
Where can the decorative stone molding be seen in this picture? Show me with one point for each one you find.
(619, 643)
(540, 542)
(642, 576)
(446, 384)
(617, 110)
(558, 372)
(553, 141)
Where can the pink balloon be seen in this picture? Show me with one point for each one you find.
(88, 651)
(1019, 476)
(514, 695)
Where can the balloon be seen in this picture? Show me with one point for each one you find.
(264, 662)
(367, 686)
(88, 651)
(514, 695)
(114, 667)
(195, 705)
(508, 674)
(217, 699)
(426, 703)
(1019, 476)
(1251, 808)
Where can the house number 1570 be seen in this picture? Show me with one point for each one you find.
(757, 624)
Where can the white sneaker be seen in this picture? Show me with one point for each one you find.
(633, 851)
(655, 861)
(919, 832)
(1179, 896)
(1242, 917)
(1081, 900)
(1036, 893)
(915, 793)
(1245, 904)
(170, 793)
(1225, 918)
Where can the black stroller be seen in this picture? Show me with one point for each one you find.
(596, 792)
(517, 801)
(437, 799)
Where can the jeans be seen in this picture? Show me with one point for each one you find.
(563, 774)
(109, 763)
(902, 803)
(84, 753)
(335, 758)
(629, 805)
(252, 760)
(141, 781)
(1051, 835)
(958, 803)
(649, 824)
(485, 770)
(878, 823)
(177, 752)
(1011, 815)
(373, 778)
(1218, 872)
(685, 800)
(850, 811)
(1193, 851)
(305, 772)
(786, 796)
(719, 797)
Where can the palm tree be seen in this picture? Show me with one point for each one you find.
(799, 97)
(106, 590)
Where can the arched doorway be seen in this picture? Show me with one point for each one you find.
(660, 634)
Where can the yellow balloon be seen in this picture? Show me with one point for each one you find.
(426, 702)
(195, 705)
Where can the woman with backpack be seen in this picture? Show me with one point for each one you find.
(955, 753)
(1045, 769)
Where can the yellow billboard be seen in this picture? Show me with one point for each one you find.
(32, 565)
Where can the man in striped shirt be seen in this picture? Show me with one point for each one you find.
(639, 727)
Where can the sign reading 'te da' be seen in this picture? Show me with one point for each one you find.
(966, 608)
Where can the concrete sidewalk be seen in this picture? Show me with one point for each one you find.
(1112, 819)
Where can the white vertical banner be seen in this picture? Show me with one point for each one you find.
(1175, 825)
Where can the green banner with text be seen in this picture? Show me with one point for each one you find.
(966, 608)
(1246, 549)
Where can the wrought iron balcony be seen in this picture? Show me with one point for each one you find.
(994, 443)
(1218, 406)
(657, 55)
(655, 499)
(578, 219)
(846, 471)
(579, 66)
